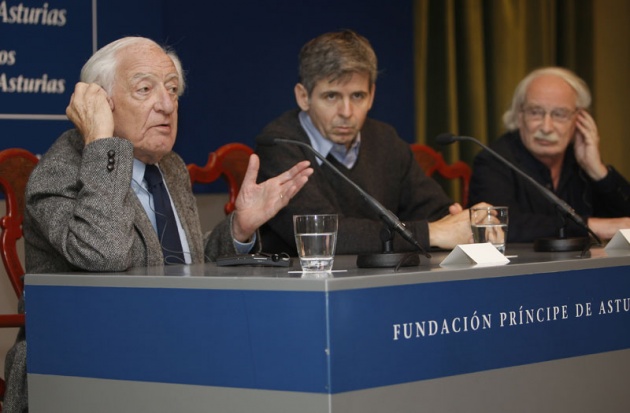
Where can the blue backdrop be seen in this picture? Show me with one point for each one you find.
(240, 60)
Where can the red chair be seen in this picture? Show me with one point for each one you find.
(431, 161)
(229, 162)
(16, 166)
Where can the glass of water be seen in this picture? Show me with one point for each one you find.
(490, 224)
(315, 239)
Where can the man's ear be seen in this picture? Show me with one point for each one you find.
(301, 97)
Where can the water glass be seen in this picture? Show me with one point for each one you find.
(490, 224)
(315, 239)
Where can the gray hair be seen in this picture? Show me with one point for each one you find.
(335, 56)
(583, 101)
(101, 67)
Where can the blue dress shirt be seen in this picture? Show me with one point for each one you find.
(325, 146)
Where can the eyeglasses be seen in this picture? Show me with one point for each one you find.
(537, 114)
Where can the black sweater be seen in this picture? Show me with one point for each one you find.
(531, 215)
(385, 168)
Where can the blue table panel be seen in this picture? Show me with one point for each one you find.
(457, 328)
(326, 341)
(250, 339)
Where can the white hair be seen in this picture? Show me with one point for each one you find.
(583, 101)
(101, 67)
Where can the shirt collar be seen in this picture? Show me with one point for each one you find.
(138, 171)
(325, 146)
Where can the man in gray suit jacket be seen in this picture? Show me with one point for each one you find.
(87, 205)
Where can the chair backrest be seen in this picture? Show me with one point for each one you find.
(432, 161)
(229, 162)
(16, 166)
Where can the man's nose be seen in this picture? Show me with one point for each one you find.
(345, 108)
(547, 123)
(165, 101)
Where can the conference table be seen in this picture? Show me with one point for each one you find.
(546, 332)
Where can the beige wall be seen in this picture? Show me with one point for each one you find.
(611, 88)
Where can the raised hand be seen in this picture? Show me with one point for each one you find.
(90, 109)
(586, 146)
(257, 203)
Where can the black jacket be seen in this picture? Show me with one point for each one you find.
(531, 214)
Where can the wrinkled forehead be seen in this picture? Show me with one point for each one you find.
(551, 88)
(145, 60)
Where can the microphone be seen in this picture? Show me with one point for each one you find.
(545, 244)
(386, 215)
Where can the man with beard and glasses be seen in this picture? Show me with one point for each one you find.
(336, 90)
(552, 137)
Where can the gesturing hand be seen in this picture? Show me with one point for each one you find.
(257, 203)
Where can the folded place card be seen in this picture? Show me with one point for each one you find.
(475, 254)
(620, 241)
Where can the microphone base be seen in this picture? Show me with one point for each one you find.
(388, 260)
(552, 244)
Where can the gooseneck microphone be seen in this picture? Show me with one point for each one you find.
(389, 218)
(544, 244)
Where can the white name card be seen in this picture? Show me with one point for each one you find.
(483, 254)
(620, 241)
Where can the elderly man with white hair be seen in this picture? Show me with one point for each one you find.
(111, 194)
(553, 138)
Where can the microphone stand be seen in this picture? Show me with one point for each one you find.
(388, 258)
(392, 224)
(562, 243)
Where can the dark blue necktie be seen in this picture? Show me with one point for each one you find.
(164, 217)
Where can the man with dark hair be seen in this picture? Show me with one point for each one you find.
(338, 72)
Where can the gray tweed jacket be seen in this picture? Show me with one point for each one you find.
(80, 216)
(83, 216)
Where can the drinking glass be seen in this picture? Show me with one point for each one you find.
(490, 224)
(315, 239)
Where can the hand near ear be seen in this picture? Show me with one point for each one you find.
(586, 146)
(90, 109)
